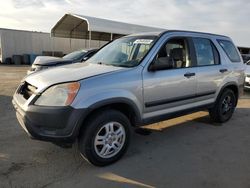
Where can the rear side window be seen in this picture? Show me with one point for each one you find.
(230, 50)
(206, 53)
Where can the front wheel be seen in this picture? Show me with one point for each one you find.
(224, 107)
(106, 137)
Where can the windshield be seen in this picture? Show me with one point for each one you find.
(74, 55)
(124, 52)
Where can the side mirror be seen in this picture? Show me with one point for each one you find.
(158, 65)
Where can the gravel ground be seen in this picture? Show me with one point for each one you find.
(182, 152)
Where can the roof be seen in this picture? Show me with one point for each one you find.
(244, 47)
(149, 33)
(195, 33)
(79, 26)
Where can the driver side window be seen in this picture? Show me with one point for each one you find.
(174, 54)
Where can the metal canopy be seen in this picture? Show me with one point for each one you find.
(86, 27)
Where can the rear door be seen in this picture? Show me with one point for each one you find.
(211, 70)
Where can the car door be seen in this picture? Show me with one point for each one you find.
(210, 69)
(173, 87)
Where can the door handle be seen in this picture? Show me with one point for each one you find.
(223, 70)
(189, 74)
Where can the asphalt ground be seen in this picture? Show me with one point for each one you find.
(188, 151)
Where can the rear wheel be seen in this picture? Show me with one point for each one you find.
(106, 137)
(224, 107)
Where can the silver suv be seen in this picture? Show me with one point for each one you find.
(132, 81)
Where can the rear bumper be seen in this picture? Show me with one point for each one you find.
(247, 83)
(54, 124)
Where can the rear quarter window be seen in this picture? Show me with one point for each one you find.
(230, 50)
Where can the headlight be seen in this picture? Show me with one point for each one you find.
(59, 95)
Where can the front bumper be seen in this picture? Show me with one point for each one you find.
(54, 124)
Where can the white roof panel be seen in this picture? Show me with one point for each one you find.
(109, 26)
(79, 26)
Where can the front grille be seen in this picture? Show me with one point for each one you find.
(26, 90)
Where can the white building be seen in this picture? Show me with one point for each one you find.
(76, 26)
(18, 42)
(70, 33)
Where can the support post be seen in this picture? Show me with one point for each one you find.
(89, 38)
(70, 44)
(52, 46)
(111, 36)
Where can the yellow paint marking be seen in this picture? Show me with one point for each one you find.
(120, 179)
(3, 156)
(175, 121)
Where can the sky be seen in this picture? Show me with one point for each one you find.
(227, 17)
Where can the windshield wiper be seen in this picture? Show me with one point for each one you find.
(120, 65)
(101, 63)
(113, 64)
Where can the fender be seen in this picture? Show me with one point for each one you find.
(116, 100)
(232, 83)
(106, 102)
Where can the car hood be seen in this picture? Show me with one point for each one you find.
(49, 60)
(68, 73)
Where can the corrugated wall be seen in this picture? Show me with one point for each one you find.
(0, 47)
(15, 42)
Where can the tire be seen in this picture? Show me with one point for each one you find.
(224, 107)
(112, 144)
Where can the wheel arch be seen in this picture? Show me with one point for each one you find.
(124, 105)
(230, 85)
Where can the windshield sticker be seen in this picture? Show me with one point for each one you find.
(143, 41)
